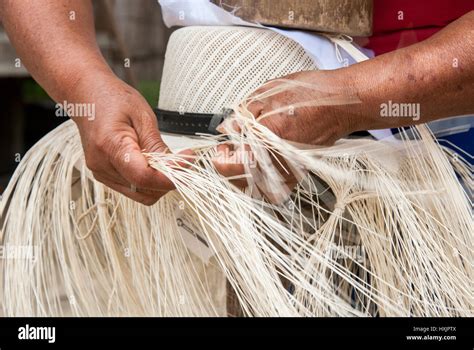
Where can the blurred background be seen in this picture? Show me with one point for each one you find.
(124, 30)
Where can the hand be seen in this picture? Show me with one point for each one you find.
(316, 108)
(113, 141)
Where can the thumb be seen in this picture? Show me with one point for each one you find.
(150, 141)
(149, 137)
(137, 169)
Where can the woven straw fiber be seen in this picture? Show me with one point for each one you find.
(210, 68)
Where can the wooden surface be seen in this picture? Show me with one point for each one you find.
(352, 17)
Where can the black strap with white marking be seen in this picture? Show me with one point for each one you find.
(189, 123)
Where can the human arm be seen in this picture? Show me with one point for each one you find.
(55, 40)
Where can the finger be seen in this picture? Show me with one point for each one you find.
(188, 156)
(264, 88)
(229, 164)
(149, 137)
(111, 176)
(148, 191)
(132, 164)
(225, 150)
(142, 198)
(228, 126)
(256, 108)
(150, 140)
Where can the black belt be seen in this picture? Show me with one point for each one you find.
(189, 123)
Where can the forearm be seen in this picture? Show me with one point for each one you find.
(57, 47)
(62, 55)
(437, 74)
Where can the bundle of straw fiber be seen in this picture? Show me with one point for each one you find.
(400, 204)
(372, 228)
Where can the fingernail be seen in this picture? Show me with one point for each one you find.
(221, 128)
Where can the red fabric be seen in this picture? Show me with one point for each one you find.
(421, 19)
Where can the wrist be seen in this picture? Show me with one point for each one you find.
(87, 85)
(365, 112)
(79, 83)
(356, 113)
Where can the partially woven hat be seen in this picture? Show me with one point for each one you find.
(210, 68)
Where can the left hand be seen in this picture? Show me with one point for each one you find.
(318, 124)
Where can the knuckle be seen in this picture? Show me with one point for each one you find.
(115, 150)
(276, 126)
(102, 144)
(152, 143)
(93, 165)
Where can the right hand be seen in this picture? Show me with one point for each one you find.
(113, 141)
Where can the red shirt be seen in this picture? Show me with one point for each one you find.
(399, 23)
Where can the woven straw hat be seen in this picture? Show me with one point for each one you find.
(210, 68)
